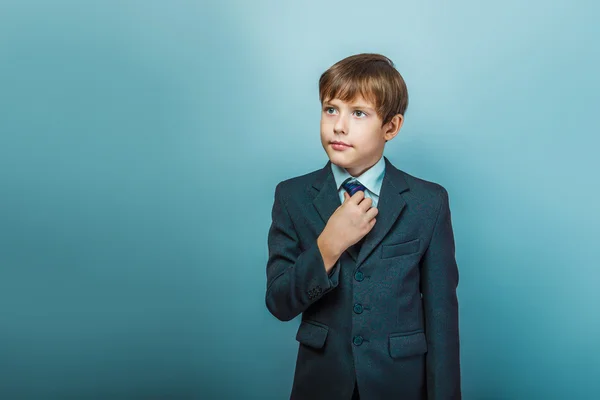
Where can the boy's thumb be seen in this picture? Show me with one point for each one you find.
(346, 196)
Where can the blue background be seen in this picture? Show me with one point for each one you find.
(140, 146)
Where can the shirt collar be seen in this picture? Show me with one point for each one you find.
(371, 178)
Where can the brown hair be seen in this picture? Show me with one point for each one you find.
(371, 75)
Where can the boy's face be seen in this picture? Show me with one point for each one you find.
(357, 124)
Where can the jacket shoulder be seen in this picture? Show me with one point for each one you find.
(296, 185)
(423, 189)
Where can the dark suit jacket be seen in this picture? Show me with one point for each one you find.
(386, 316)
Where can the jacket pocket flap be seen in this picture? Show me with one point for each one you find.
(311, 334)
(406, 345)
(400, 249)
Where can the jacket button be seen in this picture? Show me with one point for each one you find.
(358, 308)
(357, 340)
(359, 276)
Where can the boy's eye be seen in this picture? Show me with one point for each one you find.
(358, 111)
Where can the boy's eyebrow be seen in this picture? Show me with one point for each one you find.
(352, 105)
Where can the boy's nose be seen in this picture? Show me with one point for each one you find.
(340, 126)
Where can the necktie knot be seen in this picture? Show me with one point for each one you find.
(352, 186)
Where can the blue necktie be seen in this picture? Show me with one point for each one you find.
(352, 185)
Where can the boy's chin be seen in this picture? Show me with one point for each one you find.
(340, 160)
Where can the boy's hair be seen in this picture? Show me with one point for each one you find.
(371, 75)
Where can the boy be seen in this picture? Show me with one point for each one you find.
(365, 252)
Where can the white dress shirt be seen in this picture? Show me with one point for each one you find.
(371, 179)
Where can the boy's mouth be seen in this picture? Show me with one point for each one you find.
(340, 146)
(340, 143)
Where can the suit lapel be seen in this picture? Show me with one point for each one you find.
(390, 205)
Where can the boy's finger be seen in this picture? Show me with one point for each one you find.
(359, 196)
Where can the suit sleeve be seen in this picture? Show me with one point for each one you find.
(439, 280)
(295, 279)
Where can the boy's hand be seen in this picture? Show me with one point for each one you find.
(350, 222)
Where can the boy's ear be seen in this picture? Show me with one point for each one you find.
(394, 127)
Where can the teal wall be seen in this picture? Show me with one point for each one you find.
(140, 146)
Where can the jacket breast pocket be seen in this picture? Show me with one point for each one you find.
(407, 344)
(400, 249)
(312, 334)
